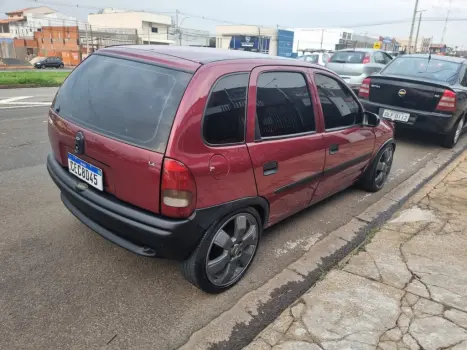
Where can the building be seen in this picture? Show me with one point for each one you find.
(314, 39)
(247, 38)
(19, 22)
(151, 28)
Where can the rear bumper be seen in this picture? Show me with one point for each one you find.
(139, 231)
(425, 121)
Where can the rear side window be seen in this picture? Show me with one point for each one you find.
(348, 57)
(283, 105)
(224, 119)
(340, 108)
(125, 100)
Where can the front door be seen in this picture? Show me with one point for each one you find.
(349, 145)
(285, 146)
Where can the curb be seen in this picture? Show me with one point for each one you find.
(238, 326)
(24, 86)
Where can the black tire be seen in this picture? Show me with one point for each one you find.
(42, 67)
(369, 180)
(194, 269)
(62, 66)
(450, 139)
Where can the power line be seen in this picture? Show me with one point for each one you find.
(217, 20)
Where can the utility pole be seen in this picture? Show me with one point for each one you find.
(322, 36)
(415, 10)
(418, 29)
(446, 22)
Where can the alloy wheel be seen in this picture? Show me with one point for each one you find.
(232, 249)
(458, 133)
(383, 167)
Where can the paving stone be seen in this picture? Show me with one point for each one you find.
(344, 304)
(418, 288)
(385, 251)
(410, 342)
(434, 333)
(460, 346)
(411, 298)
(296, 345)
(363, 265)
(298, 331)
(297, 310)
(394, 334)
(271, 336)
(283, 322)
(347, 345)
(387, 345)
(456, 316)
(403, 322)
(407, 310)
(258, 344)
(428, 307)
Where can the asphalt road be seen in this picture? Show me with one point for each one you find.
(63, 286)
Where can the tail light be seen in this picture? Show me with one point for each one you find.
(364, 91)
(447, 103)
(329, 59)
(178, 190)
(366, 59)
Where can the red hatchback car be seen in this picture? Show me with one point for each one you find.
(189, 153)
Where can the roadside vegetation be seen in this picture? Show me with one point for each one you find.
(32, 78)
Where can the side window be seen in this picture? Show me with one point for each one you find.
(387, 58)
(340, 108)
(283, 105)
(463, 76)
(379, 58)
(224, 118)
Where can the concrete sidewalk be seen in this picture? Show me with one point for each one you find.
(405, 289)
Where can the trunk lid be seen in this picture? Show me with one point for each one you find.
(417, 94)
(124, 109)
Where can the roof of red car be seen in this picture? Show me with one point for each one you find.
(199, 55)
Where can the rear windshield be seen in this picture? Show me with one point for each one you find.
(129, 101)
(309, 58)
(348, 57)
(421, 67)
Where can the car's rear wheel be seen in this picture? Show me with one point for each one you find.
(451, 139)
(43, 67)
(225, 252)
(376, 175)
(61, 65)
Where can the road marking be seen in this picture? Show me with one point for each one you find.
(8, 100)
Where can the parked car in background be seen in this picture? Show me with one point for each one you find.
(316, 57)
(189, 153)
(49, 62)
(354, 65)
(422, 92)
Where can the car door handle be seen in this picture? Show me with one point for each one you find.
(270, 168)
(333, 149)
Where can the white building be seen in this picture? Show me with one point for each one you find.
(247, 38)
(23, 23)
(310, 39)
(152, 28)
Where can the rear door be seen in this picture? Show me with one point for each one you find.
(124, 111)
(285, 143)
(349, 145)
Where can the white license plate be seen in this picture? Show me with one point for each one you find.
(396, 116)
(85, 171)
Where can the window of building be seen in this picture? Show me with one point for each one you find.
(340, 108)
(154, 30)
(224, 119)
(283, 105)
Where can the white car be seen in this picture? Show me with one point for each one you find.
(316, 57)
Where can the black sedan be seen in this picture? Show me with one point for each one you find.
(424, 92)
(49, 62)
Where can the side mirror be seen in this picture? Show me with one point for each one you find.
(371, 120)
